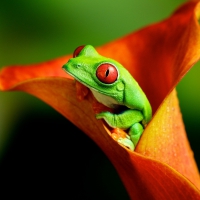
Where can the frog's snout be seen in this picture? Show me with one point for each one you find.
(65, 66)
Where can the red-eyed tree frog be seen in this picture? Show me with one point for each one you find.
(113, 86)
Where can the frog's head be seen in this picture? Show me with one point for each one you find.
(98, 73)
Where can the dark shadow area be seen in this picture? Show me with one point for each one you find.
(50, 157)
(192, 130)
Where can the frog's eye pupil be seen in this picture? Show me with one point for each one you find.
(77, 51)
(107, 73)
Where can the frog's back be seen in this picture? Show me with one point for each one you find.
(135, 98)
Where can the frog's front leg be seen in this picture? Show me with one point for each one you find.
(129, 119)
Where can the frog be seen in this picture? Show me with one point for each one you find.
(113, 86)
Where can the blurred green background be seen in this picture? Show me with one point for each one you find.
(35, 141)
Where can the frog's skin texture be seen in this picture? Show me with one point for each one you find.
(113, 86)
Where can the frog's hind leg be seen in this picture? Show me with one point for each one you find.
(135, 132)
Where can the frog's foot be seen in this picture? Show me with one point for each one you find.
(135, 132)
(127, 143)
(123, 138)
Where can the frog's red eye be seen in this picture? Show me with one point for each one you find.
(77, 51)
(107, 73)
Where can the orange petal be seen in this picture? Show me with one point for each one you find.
(158, 56)
(13, 75)
(165, 140)
(144, 178)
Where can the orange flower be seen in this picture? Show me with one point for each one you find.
(158, 56)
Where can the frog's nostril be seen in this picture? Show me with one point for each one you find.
(78, 65)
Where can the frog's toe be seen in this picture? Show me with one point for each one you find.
(127, 143)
